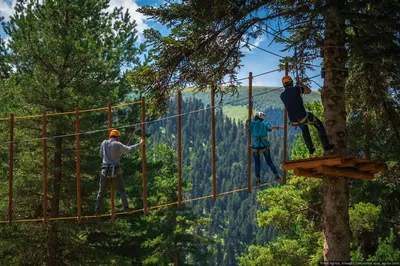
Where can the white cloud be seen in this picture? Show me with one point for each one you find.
(255, 42)
(259, 40)
(7, 8)
(132, 6)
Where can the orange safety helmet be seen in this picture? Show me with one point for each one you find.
(286, 80)
(115, 133)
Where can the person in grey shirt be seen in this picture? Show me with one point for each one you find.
(111, 150)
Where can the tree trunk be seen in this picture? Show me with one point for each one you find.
(55, 205)
(336, 228)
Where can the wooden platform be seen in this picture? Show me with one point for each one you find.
(339, 166)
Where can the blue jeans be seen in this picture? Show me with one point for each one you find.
(321, 132)
(257, 161)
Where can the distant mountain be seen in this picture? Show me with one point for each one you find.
(235, 105)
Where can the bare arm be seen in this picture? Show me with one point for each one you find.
(277, 128)
(246, 125)
(307, 89)
(124, 148)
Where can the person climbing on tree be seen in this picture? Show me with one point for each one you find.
(298, 116)
(259, 129)
(111, 150)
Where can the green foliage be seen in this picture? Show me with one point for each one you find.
(283, 251)
(364, 218)
(232, 214)
(386, 251)
(169, 235)
(299, 148)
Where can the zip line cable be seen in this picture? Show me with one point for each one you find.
(287, 40)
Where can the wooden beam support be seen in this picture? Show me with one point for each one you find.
(367, 166)
(250, 113)
(213, 144)
(285, 132)
(311, 163)
(306, 173)
(348, 163)
(353, 173)
(381, 166)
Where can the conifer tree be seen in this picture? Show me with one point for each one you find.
(67, 54)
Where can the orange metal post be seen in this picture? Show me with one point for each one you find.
(179, 149)
(78, 166)
(214, 179)
(11, 165)
(44, 135)
(285, 131)
(111, 181)
(249, 135)
(144, 157)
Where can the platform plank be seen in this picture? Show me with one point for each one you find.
(306, 173)
(339, 166)
(311, 163)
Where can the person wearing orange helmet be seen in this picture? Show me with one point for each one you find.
(298, 115)
(259, 129)
(111, 150)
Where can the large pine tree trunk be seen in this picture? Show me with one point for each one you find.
(336, 228)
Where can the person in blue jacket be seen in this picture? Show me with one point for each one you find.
(259, 129)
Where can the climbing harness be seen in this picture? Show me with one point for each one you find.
(110, 170)
(260, 150)
(303, 121)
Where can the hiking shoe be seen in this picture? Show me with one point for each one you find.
(127, 209)
(258, 181)
(329, 147)
(311, 151)
(277, 178)
(97, 213)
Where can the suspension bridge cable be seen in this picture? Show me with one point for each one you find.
(148, 122)
(70, 112)
(137, 124)
(87, 217)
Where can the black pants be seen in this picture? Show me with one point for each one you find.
(321, 132)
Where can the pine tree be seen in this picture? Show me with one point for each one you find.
(67, 54)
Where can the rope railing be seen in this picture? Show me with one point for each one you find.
(87, 217)
(70, 112)
(147, 122)
(136, 124)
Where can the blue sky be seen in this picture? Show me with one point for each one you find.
(255, 61)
